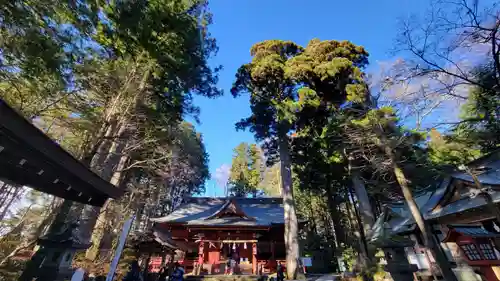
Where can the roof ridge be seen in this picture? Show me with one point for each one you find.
(262, 200)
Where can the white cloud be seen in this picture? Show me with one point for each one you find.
(222, 175)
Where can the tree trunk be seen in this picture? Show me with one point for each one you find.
(337, 225)
(112, 165)
(291, 223)
(98, 153)
(424, 227)
(100, 223)
(3, 187)
(115, 159)
(17, 191)
(314, 226)
(363, 245)
(493, 208)
(350, 216)
(5, 194)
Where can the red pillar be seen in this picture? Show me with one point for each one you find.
(489, 273)
(254, 258)
(201, 257)
(201, 252)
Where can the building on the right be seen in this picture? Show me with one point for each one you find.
(464, 214)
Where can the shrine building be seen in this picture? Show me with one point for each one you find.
(462, 212)
(207, 232)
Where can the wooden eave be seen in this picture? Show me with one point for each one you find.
(29, 157)
(227, 227)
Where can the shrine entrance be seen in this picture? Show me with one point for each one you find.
(30, 158)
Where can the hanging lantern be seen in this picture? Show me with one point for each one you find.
(245, 245)
(234, 246)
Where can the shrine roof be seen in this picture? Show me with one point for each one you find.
(201, 211)
(401, 219)
(473, 231)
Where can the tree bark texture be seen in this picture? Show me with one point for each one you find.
(114, 160)
(101, 221)
(338, 228)
(291, 223)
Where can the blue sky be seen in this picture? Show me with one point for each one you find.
(238, 24)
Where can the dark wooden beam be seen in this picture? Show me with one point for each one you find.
(29, 157)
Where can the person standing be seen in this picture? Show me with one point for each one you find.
(164, 273)
(134, 273)
(228, 266)
(178, 273)
(280, 275)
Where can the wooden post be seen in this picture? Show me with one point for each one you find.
(272, 251)
(163, 259)
(254, 258)
(201, 257)
(145, 272)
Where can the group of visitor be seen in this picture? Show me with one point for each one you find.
(170, 272)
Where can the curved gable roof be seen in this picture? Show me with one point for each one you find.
(202, 211)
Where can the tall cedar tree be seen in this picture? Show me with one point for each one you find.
(297, 89)
(246, 170)
(272, 98)
(158, 51)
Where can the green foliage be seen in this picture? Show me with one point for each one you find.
(317, 235)
(174, 35)
(43, 37)
(304, 91)
(292, 85)
(480, 125)
(349, 256)
(246, 170)
(379, 130)
(271, 93)
(332, 69)
(271, 180)
(111, 82)
(22, 225)
(444, 151)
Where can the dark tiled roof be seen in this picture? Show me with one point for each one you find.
(473, 231)
(401, 220)
(198, 210)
